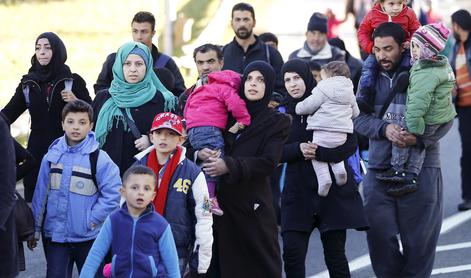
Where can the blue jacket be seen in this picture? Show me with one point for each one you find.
(75, 206)
(185, 210)
(141, 247)
(467, 51)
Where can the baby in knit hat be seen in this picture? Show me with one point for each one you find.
(429, 109)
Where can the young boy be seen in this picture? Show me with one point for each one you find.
(182, 195)
(74, 193)
(141, 240)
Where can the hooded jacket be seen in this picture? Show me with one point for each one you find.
(332, 106)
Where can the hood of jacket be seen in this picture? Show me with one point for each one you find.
(60, 146)
(337, 88)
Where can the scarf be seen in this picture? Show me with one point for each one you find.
(56, 66)
(164, 174)
(301, 67)
(255, 107)
(126, 95)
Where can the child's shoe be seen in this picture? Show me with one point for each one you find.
(215, 209)
(410, 185)
(392, 175)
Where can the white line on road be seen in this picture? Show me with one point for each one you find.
(451, 269)
(448, 224)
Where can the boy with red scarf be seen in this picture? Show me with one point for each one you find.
(181, 193)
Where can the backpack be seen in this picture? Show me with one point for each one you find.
(355, 164)
(67, 86)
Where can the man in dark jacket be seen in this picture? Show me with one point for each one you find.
(143, 29)
(246, 47)
(416, 217)
(9, 265)
(316, 47)
(460, 61)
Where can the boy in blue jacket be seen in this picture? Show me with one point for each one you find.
(74, 193)
(141, 240)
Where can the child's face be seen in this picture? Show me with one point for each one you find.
(165, 140)
(317, 75)
(415, 51)
(138, 191)
(76, 126)
(392, 7)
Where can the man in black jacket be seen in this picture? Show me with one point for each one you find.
(246, 47)
(143, 29)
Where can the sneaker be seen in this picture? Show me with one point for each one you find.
(465, 205)
(410, 185)
(215, 209)
(392, 175)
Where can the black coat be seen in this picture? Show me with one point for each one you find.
(46, 117)
(246, 235)
(302, 209)
(8, 239)
(120, 143)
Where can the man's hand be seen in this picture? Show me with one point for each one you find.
(215, 167)
(408, 138)
(309, 150)
(393, 133)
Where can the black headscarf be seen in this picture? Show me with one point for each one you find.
(300, 67)
(56, 66)
(255, 107)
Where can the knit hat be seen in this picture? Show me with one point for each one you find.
(317, 22)
(431, 39)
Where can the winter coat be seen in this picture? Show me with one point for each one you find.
(9, 264)
(246, 235)
(406, 18)
(331, 106)
(429, 94)
(184, 210)
(236, 59)
(454, 53)
(120, 142)
(142, 247)
(106, 75)
(326, 55)
(209, 104)
(67, 205)
(302, 208)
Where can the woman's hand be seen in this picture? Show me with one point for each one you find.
(206, 153)
(215, 167)
(68, 96)
(142, 143)
(309, 150)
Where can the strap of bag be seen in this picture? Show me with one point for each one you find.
(132, 125)
(93, 164)
(397, 86)
(267, 50)
(161, 61)
(26, 94)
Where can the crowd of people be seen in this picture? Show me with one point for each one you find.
(153, 179)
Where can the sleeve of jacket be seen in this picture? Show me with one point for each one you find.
(79, 88)
(367, 124)
(244, 169)
(109, 183)
(276, 60)
(236, 106)
(291, 152)
(179, 82)
(40, 195)
(339, 153)
(204, 223)
(168, 253)
(106, 75)
(356, 110)
(25, 161)
(419, 98)
(364, 33)
(7, 174)
(97, 253)
(16, 106)
(310, 105)
(413, 24)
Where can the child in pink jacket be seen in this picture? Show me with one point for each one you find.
(206, 114)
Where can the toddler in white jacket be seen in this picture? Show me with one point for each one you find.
(331, 107)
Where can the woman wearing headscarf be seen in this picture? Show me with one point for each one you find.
(246, 236)
(302, 209)
(44, 91)
(124, 112)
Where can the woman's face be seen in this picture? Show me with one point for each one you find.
(134, 69)
(43, 51)
(254, 87)
(294, 84)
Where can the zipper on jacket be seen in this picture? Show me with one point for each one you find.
(132, 245)
(52, 92)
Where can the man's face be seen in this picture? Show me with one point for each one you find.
(242, 23)
(142, 32)
(207, 62)
(388, 52)
(316, 40)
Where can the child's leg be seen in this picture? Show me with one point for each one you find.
(59, 260)
(369, 72)
(211, 187)
(324, 181)
(340, 173)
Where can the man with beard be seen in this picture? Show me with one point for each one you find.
(415, 217)
(461, 63)
(316, 47)
(246, 47)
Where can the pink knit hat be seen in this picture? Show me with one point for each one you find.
(431, 39)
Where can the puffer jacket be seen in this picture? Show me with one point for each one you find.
(66, 198)
(429, 94)
(331, 107)
(208, 104)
